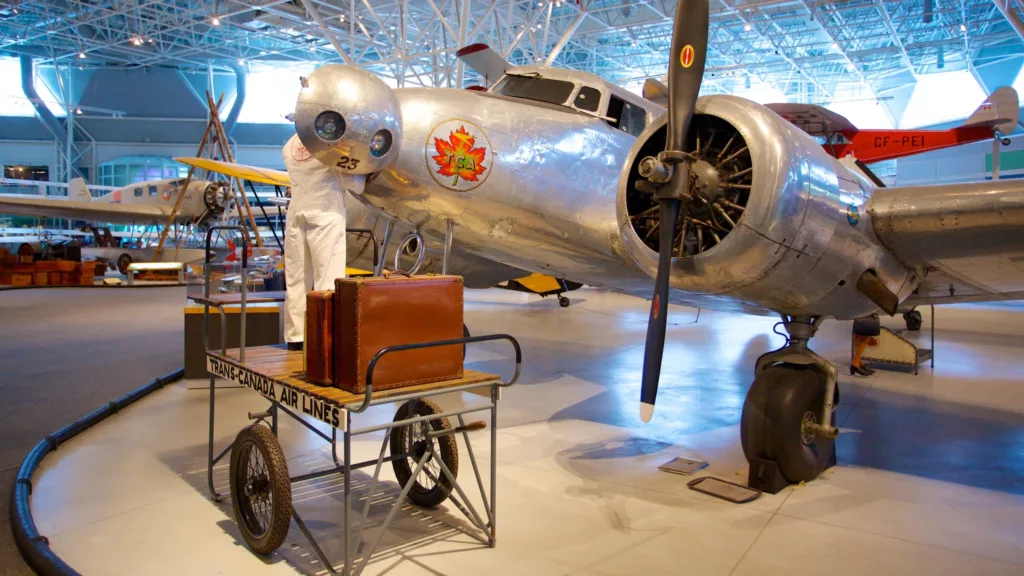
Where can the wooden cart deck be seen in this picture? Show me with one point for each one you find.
(268, 366)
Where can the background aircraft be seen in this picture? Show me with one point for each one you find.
(997, 116)
(719, 200)
(139, 203)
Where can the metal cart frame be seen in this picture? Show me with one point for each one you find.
(345, 466)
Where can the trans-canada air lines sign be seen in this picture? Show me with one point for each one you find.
(295, 399)
(458, 155)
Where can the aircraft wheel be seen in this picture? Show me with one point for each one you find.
(431, 486)
(25, 249)
(261, 491)
(913, 320)
(780, 401)
(123, 262)
(563, 301)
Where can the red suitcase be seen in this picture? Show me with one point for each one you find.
(318, 350)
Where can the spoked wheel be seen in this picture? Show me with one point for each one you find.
(782, 400)
(123, 262)
(431, 486)
(261, 492)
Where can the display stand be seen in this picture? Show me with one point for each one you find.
(262, 496)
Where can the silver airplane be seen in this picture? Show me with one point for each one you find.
(559, 172)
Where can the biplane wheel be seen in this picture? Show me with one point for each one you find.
(913, 320)
(778, 403)
(25, 249)
(563, 301)
(431, 486)
(123, 262)
(261, 491)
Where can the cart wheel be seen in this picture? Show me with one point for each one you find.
(123, 262)
(261, 491)
(432, 486)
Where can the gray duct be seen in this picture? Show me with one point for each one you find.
(236, 108)
(28, 86)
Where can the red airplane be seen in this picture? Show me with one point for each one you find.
(997, 116)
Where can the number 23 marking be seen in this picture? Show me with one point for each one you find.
(346, 163)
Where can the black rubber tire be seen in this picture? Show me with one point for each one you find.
(123, 262)
(25, 249)
(563, 301)
(772, 420)
(437, 491)
(913, 320)
(262, 535)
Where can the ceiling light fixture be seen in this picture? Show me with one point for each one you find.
(81, 54)
(215, 21)
(835, 45)
(963, 28)
(746, 27)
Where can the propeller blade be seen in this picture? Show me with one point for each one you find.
(686, 68)
(655, 346)
(685, 72)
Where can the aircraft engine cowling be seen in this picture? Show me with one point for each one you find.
(349, 119)
(774, 220)
(216, 196)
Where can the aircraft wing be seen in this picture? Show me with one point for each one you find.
(812, 119)
(41, 207)
(254, 173)
(966, 240)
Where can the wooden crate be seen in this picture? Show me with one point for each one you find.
(26, 259)
(46, 266)
(67, 265)
(19, 279)
(5, 278)
(40, 278)
(54, 278)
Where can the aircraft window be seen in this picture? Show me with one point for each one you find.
(629, 118)
(820, 139)
(587, 99)
(534, 88)
(152, 189)
(138, 192)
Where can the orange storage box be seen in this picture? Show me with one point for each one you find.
(54, 278)
(67, 265)
(46, 266)
(40, 278)
(21, 279)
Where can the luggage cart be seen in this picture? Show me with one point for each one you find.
(421, 441)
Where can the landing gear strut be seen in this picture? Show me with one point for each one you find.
(788, 426)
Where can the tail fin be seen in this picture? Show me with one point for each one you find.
(78, 191)
(656, 91)
(1001, 111)
(485, 61)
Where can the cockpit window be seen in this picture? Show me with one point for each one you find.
(534, 88)
(587, 99)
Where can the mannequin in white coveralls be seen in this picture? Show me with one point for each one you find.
(314, 241)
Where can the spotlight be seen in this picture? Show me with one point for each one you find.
(78, 110)
(215, 21)
(241, 62)
(81, 54)
(963, 28)
(746, 27)
(341, 18)
(835, 45)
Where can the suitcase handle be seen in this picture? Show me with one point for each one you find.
(373, 362)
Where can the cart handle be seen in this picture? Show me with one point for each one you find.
(401, 347)
(245, 241)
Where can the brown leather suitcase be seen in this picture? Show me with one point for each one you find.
(374, 313)
(318, 349)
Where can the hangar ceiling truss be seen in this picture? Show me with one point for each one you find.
(803, 48)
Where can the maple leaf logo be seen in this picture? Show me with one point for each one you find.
(458, 158)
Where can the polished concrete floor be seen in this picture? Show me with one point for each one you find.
(65, 352)
(930, 477)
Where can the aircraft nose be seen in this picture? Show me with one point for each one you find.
(349, 118)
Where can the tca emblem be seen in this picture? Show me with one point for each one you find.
(457, 155)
